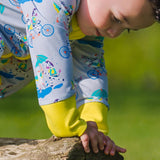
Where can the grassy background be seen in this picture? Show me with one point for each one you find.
(134, 83)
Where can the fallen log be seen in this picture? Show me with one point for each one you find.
(48, 149)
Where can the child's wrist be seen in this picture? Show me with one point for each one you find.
(96, 112)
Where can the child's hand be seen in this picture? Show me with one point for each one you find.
(111, 147)
(98, 141)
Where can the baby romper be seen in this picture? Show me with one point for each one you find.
(61, 67)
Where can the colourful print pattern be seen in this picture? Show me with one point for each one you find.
(64, 52)
(1, 46)
(35, 27)
(1, 9)
(13, 74)
(23, 1)
(14, 3)
(97, 65)
(19, 49)
(45, 68)
(100, 94)
(64, 13)
(47, 25)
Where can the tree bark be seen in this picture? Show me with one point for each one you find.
(48, 149)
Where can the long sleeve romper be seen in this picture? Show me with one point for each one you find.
(68, 66)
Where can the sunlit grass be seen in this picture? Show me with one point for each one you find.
(134, 123)
(21, 116)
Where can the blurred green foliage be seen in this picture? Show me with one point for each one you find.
(21, 115)
(133, 65)
(134, 123)
(132, 60)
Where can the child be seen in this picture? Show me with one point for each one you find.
(64, 40)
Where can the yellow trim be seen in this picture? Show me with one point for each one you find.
(23, 58)
(11, 54)
(97, 112)
(7, 55)
(63, 118)
(76, 32)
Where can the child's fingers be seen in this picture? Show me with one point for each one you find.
(120, 149)
(94, 142)
(113, 150)
(101, 140)
(110, 146)
(85, 142)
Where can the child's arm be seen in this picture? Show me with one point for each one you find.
(47, 33)
(92, 93)
(91, 81)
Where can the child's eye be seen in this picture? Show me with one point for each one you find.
(116, 20)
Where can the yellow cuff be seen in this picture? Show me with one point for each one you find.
(97, 112)
(63, 118)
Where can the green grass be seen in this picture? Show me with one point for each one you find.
(133, 120)
(134, 123)
(21, 116)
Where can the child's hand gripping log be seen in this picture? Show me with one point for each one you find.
(98, 141)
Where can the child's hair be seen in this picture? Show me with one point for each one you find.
(156, 9)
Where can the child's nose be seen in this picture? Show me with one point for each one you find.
(114, 32)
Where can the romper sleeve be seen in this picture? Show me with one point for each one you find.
(47, 24)
(90, 78)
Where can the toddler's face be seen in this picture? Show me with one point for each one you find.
(109, 18)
